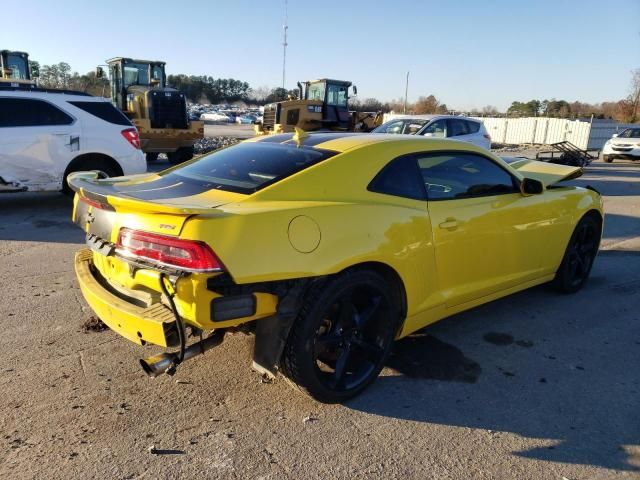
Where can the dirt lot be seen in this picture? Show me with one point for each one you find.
(537, 385)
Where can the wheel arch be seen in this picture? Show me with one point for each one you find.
(77, 161)
(595, 214)
(393, 278)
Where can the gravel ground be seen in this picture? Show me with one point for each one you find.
(537, 385)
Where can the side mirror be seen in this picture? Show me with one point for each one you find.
(99, 72)
(614, 135)
(355, 90)
(34, 71)
(529, 186)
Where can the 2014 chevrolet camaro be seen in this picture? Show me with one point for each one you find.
(327, 246)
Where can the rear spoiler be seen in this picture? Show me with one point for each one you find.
(547, 173)
(104, 190)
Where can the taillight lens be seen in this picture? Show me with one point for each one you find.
(189, 255)
(93, 203)
(131, 135)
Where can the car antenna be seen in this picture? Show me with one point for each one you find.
(300, 135)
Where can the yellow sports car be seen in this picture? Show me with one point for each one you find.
(328, 246)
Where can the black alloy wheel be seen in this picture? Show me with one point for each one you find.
(579, 256)
(343, 337)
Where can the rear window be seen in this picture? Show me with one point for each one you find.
(105, 111)
(248, 167)
(473, 127)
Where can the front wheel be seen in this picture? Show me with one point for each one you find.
(342, 337)
(607, 158)
(579, 256)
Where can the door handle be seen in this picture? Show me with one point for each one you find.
(450, 224)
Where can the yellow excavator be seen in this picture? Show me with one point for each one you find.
(15, 69)
(322, 105)
(139, 88)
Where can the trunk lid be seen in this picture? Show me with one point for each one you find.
(147, 202)
(547, 173)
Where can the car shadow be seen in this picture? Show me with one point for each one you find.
(535, 364)
(38, 217)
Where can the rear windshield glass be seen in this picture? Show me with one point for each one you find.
(248, 167)
(104, 111)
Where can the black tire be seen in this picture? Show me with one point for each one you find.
(106, 167)
(152, 156)
(181, 155)
(607, 158)
(579, 256)
(342, 336)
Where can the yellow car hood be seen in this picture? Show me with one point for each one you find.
(149, 193)
(547, 173)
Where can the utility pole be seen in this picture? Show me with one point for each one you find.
(406, 91)
(285, 27)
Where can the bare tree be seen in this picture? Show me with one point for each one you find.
(489, 110)
(429, 104)
(634, 96)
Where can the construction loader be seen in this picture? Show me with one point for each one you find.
(15, 69)
(139, 89)
(321, 105)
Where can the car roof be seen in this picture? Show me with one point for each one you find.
(343, 141)
(431, 116)
(50, 93)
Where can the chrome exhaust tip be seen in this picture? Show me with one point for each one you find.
(167, 362)
(158, 364)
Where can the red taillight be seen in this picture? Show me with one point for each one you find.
(93, 203)
(185, 254)
(131, 135)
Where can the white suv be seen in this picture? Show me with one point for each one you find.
(47, 134)
(440, 126)
(624, 145)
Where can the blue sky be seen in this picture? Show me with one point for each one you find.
(469, 53)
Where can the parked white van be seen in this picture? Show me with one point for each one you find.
(47, 134)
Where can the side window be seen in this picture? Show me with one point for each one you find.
(105, 111)
(457, 128)
(22, 112)
(337, 95)
(449, 176)
(436, 129)
(472, 127)
(400, 178)
(393, 127)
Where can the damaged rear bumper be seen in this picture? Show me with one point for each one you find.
(154, 324)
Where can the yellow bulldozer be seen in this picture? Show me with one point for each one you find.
(321, 105)
(139, 89)
(15, 69)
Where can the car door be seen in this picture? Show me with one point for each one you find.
(487, 235)
(37, 142)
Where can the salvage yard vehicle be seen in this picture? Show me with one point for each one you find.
(439, 126)
(322, 105)
(624, 145)
(47, 134)
(139, 88)
(328, 246)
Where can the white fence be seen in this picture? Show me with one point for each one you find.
(583, 134)
(542, 130)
